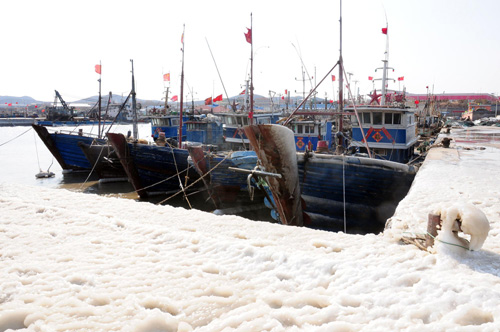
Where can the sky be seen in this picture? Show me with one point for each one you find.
(74, 261)
(447, 46)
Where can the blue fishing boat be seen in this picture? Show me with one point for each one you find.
(234, 122)
(162, 167)
(166, 124)
(64, 146)
(357, 188)
(78, 151)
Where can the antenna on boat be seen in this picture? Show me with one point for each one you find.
(99, 113)
(250, 32)
(220, 77)
(341, 81)
(134, 105)
(386, 62)
(182, 87)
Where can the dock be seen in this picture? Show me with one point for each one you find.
(468, 172)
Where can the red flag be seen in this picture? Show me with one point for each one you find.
(286, 92)
(10, 104)
(384, 31)
(98, 69)
(333, 78)
(218, 98)
(36, 106)
(174, 98)
(370, 78)
(243, 92)
(248, 35)
(402, 78)
(417, 102)
(208, 101)
(250, 115)
(282, 97)
(166, 77)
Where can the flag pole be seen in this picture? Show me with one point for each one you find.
(99, 113)
(251, 70)
(182, 88)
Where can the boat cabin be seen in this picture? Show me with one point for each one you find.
(309, 132)
(204, 131)
(168, 124)
(233, 124)
(389, 132)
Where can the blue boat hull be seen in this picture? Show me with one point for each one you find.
(65, 148)
(325, 191)
(371, 190)
(154, 169)
(224, 185)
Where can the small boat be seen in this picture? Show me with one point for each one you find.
(44, 174)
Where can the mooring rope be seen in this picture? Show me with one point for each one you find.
(178, 174)
(343, 190)
(201, 177)
(93, 167)
(16, 137)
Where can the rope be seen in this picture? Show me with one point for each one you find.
(203, 176)
(16, 137)
(343, 192)
(436, 239)
(93, 167)
(178, 174)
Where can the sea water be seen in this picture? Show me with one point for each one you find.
(23, 155)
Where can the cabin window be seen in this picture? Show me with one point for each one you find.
(299, 129)
(396, 118)
(380, 152)
(354, 120)
(410, 118)
(175, 122)
(388, 118)
(366, 118)
(377, 118)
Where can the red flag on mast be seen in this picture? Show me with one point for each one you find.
(98, 69)
(248, 35)
(243, 92)
(333, 78)
(208, 101)
(218, 98)
(370, 78)
(166, 77)
(402, 78)
(174, 98)
(384, 31)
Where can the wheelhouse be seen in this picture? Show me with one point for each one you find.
(389, 132)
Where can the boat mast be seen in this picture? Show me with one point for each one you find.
(251, 70)
(134, 105)
(99, 113)
(341, 81)
(386, 64)
(166, 100)
(182, 88)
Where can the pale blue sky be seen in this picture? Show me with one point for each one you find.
(450, 46)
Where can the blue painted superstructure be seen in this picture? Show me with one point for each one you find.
(389, 131)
